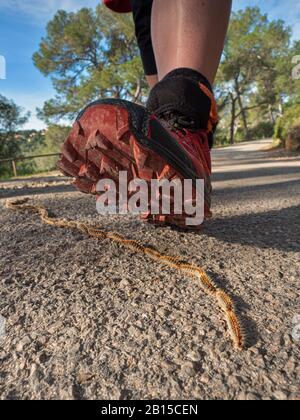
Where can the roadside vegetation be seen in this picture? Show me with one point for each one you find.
(93, 53)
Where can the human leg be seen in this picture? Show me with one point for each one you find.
(189, 34)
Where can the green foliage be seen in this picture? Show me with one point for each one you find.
(30, 141)
(89, 54)
(54, 138)
(93, 53)
(254, 78)
(263, 130)
(287, 122)
(293, 139)
(11, 118)
(221, 139)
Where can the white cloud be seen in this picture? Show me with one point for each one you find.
(43, 10)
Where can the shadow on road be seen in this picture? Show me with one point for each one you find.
(245, 161)
(256, 173)
(277, 229)
(46, 178)
(242, 308)
(279, 190)
(14, 193)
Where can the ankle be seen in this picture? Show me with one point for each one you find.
(186, 95)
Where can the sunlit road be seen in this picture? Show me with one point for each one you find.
(87, 319)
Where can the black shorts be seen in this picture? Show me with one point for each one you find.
(142, 18)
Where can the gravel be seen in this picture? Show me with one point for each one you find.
(86, 319)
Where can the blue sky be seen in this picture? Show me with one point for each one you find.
(22, 24)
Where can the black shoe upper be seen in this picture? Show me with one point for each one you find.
(179, 100)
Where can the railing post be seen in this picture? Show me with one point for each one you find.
(14, 166)
(14, 161)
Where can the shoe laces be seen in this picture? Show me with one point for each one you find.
(178, 122)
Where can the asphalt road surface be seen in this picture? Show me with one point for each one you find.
(86, 319)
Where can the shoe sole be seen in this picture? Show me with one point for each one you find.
(110, 136)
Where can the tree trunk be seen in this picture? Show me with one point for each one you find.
(233, 118)
(243, 111)
(271, 115)
(137, 92)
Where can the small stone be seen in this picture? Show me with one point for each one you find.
(161, 312)
(194, 356)
(134, 332)
(165, 331)
(280, 395)
(205, 379)
(187, 369)
(259, 361)
(233, 381)
(254, 351)
(21, 364)
(124, 283)
(66, 394)
(35, 378)
(83, 376)
(139, 324)
(23, 343)
(251, 397)
(243, 396)
(43, 340)
(288, 340)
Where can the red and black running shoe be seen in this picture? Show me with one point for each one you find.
(110, 136)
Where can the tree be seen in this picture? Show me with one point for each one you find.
(54, 138)
(89, 54)
(93, 54)
(253, 62)
(12, 117)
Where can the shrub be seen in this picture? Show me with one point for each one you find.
(292, 142)
(262, 130)
(287, 122)
(54, 138)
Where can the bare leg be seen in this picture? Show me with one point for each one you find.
(152, 80)
(189, 33)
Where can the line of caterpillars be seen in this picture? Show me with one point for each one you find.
(225, 303)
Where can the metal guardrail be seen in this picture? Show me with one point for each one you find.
(21, 158)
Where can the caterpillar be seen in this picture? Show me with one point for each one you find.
(225, 303)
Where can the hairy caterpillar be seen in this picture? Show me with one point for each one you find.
(224, 302)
